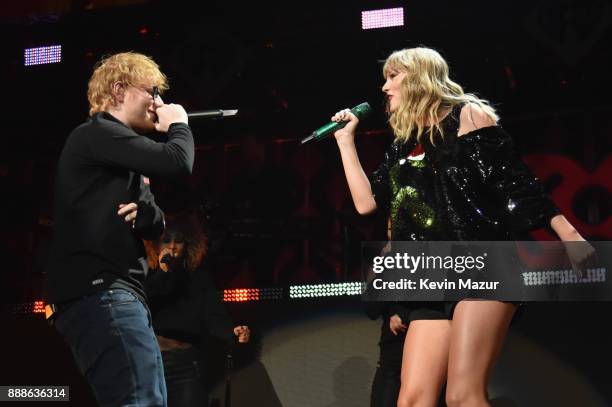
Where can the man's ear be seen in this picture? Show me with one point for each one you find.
(118, 92)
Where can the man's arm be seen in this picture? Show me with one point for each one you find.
(121, 147)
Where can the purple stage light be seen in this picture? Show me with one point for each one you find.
(388, 17)
(42, 55)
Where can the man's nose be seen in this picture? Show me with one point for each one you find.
(157, 102)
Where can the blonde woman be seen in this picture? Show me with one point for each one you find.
(450, 174)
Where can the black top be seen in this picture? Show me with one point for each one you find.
(101, 166)
(473, 187)
(186, 306)
(391, 345)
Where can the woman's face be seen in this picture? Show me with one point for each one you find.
(393, 88)
(174, 243)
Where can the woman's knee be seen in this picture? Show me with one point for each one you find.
(461, 395)
(417, 397)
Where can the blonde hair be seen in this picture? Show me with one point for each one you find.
(130, 68)
(425, 90)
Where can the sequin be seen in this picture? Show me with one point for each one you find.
(474, 187)
(511, 205)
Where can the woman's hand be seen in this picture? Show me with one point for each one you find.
(243, 333)
(581, 255)
(164, 266)
(579, 252)
(347, 133)
(395, 324)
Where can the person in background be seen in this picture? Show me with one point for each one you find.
(386, 383)
(186, 308)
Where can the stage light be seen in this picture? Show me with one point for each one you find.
(38, 307)
(26, 308)
(252, 294)
(532, 278)
(43, 55)
(389, 17)
(325, 290)
(563, 277)
(241, 295)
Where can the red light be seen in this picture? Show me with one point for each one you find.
(39, 307)
(241, 295)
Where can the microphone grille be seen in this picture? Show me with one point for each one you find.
(362, 110)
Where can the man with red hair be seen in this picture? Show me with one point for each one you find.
(103, 210)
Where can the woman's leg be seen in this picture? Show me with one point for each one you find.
(479, 329)
(183, 379)
(424, 362)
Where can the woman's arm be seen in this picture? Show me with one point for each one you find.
(579, 252)
(564, 229)
(359, 184)
(529, 200)
(472, 118)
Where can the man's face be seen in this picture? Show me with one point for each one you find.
(140, 108)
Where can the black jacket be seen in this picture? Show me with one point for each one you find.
(104, 164)
(186, 305)
(473, 187)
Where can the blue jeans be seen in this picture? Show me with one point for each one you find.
(112, 340)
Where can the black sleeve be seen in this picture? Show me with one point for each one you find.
(216, 318)
(493, 157)
(158, 285)
(374, 309)
(121, 147)
(149, 224)
(400, 309)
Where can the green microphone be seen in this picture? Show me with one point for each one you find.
(361, 111)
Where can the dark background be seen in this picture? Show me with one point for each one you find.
(279, 213)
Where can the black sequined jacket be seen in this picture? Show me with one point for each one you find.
(473, 187)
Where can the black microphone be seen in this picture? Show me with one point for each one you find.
(166, 258)
(361, 111)
(211, 114)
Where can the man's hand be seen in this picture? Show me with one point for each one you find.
(168, 114)
(395, 324)
(128, 212)
(243, 333)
